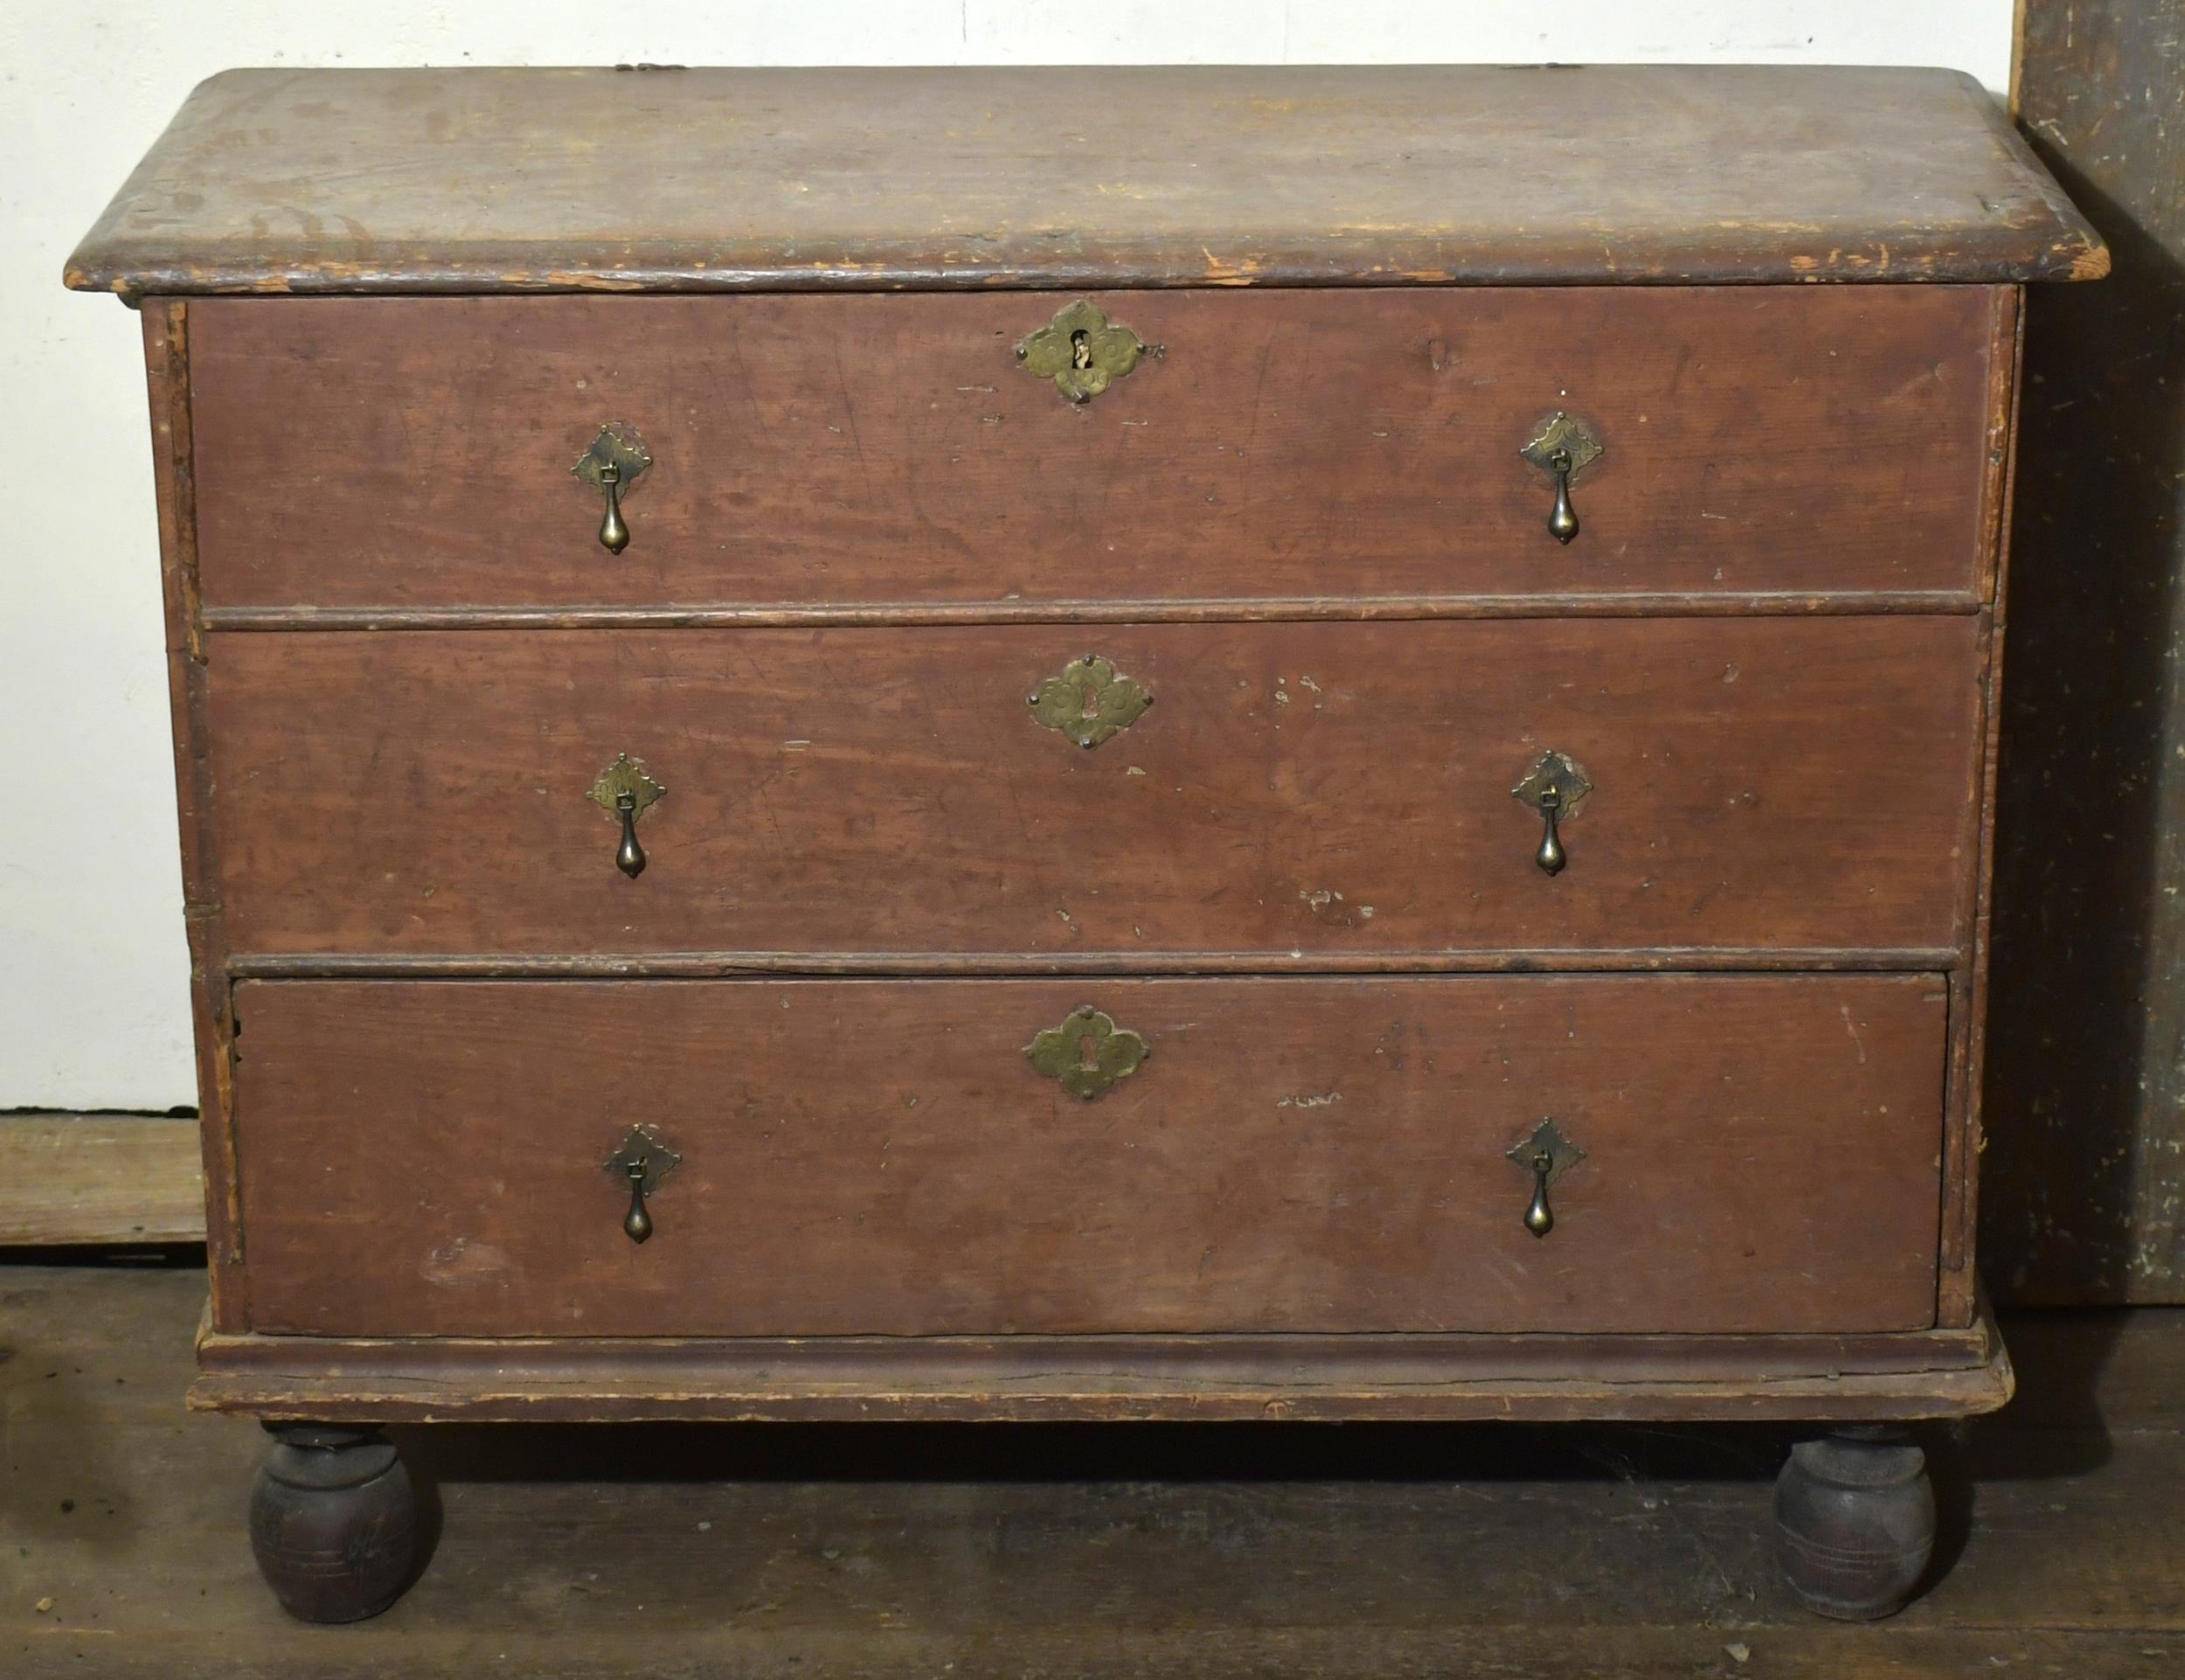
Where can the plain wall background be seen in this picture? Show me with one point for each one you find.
(93, 974)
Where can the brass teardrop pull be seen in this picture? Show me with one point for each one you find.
(1547, 1154)
(612, 466)
(1540, 1219)
(640, 1165)
(1563, 521)
(614, 531)
(629, 857)
(623, 791)
(1561, 448)
(1550, 857)
(1553, 787)
(638, 1224)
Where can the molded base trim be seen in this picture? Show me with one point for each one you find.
(1926, 1374)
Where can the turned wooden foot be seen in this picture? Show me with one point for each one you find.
(1855, 1523)
(333, 1522)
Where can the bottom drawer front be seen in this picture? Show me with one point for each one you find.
(884, 1157)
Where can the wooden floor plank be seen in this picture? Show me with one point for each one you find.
(99, 1178)
(1061, 1550)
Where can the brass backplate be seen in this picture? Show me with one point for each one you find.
(625, 775)
(1560, 434)
(1088, 700)
(642, 1144)
(1082, 351)
(1546, 1139)
(1088, 1053)
(1556, 771)
(616, 446)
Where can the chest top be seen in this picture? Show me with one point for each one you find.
(530, 180)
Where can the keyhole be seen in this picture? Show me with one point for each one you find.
(1089, 1051)
(1080, 348)
(1090, 702)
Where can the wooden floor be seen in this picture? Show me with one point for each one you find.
(1245, 1550)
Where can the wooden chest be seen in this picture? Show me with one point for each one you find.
(1087, 743)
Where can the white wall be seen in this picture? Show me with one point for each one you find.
(94, 1009)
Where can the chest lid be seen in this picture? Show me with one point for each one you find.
(539, 180)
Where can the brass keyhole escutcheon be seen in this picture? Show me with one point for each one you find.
(1561, 448)
(1088, 1054)
(640, 1165)
(1553, 787)
(612, 466)
(624, 792)
(1547, 1154)
(1082, 351)
(1088, 700)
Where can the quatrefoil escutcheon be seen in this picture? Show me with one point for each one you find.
(1088, 1053)
(1082, 351)
(1088, 700)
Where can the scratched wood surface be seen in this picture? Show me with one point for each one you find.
(813, 451)
(1246, 1552)
(494, 179)
(880, 1157)
(2086, 1197)
(1758, 783)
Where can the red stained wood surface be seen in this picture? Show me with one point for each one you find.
(1295, 1155)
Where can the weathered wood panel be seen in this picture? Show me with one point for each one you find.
(880, 1157)
(68, 1179)
(827, 451)
(1319, 788)
(552, 180)
(2085, 1184)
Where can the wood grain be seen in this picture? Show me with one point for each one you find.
(67, 1179)
(708, 180)
(1803, 782)
(879, 1157)
(166, 343)
(815, 452)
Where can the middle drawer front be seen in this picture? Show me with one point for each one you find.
(882, 1157)
(1308, 789)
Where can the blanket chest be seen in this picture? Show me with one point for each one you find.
(1098, 744)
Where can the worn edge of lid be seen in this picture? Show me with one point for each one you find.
(2066, 248)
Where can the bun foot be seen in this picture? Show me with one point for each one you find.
(333, 1522)
(1855, 1523)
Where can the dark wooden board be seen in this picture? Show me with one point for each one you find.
(880, 1157)
(1349, 1378)
(1768, 783)
(1371, 1552)
(2085, 1194)
(414, 454)
(501, 180)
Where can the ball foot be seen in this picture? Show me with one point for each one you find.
(333, 1522)
(1855, 1523)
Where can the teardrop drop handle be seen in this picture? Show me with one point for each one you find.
(1540, 1220)
(1550, 857)
(614, 529)
(1563, 521)
(638, 1224)
(629, 857)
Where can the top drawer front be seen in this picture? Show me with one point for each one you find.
(863, 450)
